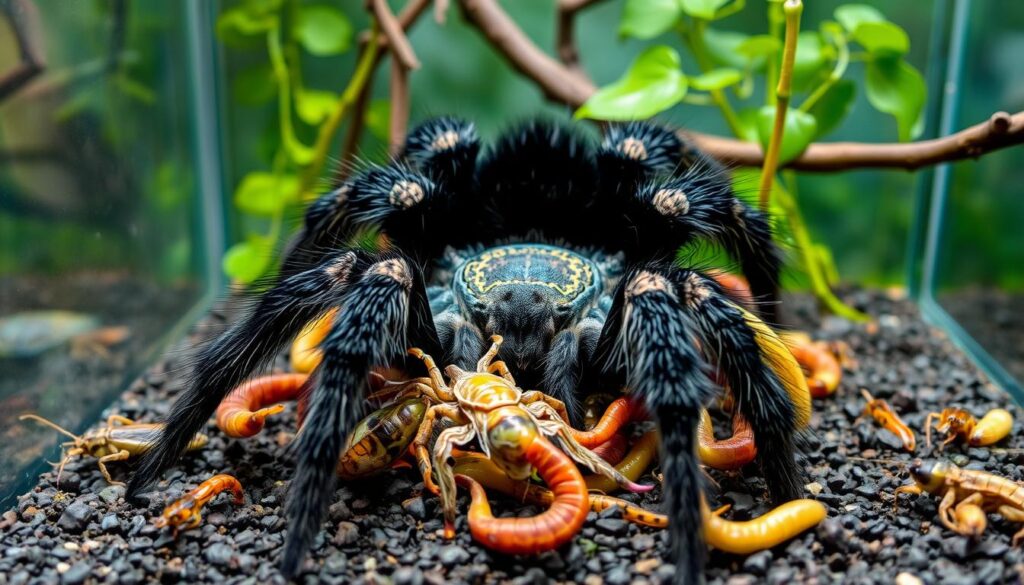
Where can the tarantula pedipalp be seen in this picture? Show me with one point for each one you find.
(563, 249)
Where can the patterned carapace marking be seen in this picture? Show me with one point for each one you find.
(568, 274)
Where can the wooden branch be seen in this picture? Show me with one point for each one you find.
(554, 79)
(398, 43)
(24, 21)
(1000, 131)
(559, 84)
(399, 121)
(565, 39)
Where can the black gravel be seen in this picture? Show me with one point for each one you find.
(388, 530)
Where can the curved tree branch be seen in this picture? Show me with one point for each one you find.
(559, 83)
(565, 39)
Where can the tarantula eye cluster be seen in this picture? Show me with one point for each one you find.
(562, 247)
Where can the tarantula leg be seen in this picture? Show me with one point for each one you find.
(444, 149)
(636, 152)
(569, 351)
(731, 336)
(252, 342)
(372, 329)
(463, 340)
(648, 334)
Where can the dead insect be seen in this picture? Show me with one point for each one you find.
(185, 513)
(957, 422)
(121, 439)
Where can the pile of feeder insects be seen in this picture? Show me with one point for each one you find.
(899, 377)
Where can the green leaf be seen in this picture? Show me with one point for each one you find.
(853, 15)
(323, 30)
(722, 47)
(240, 27)
(247, 261)
(896, 88)
(646, 19)
(883, 38)
(314, 105)
(759, 47)
(716, 79)
(830, 110)
(748, 125)
(798, 131)
(254, 86)
(702, 8)
(265, 194)
(653, 83)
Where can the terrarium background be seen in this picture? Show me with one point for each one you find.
(116, 185)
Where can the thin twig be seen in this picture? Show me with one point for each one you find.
(398, 43)
(353, 134)
(399, 121)
(565, 34)
(560, 85)
(792, 9)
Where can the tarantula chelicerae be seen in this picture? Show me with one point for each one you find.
(565, 250)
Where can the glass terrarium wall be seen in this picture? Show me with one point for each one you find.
(974, 263)
(105, 239)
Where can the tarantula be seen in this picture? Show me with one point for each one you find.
(563, 247)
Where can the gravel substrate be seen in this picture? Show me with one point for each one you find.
(388, 530)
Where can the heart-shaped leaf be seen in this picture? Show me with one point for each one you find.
(853, 15)
(716, 79)
(314, 105)
(323, 30)
(646, 19)
(723, 47)
(247, 261)
(830, 110)
(882, 38)
(896, 88)
(653, 83)
(702, 8)
(798, 131)
(265, 194)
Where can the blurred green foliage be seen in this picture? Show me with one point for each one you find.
(863, 217)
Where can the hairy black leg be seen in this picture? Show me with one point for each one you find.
(249, 344)
(372, 329)
(444, 149)
(647, 334)
(462, 342)
(571, 350)
(749, 239)
(634, 153)
(760, 395)
(320, 233)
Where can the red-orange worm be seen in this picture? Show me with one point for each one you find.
(244, 411)
(549, 529)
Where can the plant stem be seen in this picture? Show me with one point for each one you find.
(775, 22)
(842, 61)
(792, 9)
(695, 39)
(364, 69)
(805, 246)
(296, 148)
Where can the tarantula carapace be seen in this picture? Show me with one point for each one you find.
(564, 248)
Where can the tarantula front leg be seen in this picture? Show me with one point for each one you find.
(766, 382)
(649, 335)
(372, 329)
(253, 341)
(695, 200)
(570, 350)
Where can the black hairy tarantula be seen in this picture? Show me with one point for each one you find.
(567, 250)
